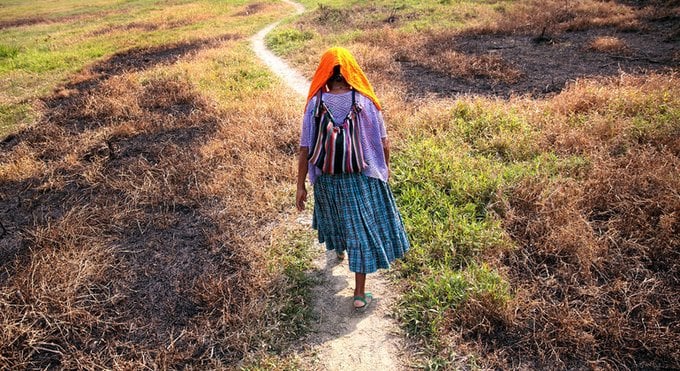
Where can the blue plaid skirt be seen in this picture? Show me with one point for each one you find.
(357, 213)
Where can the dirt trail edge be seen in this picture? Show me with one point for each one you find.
(341, 339)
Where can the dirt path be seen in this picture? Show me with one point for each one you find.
(341, 339)
(293, 78)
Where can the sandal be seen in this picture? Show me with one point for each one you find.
(367, 299)
(340, 255)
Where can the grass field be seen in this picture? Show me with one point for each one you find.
(146, 179)
(541, 197)
(44, 43)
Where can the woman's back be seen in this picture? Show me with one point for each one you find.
(372, 130)
(338, 104)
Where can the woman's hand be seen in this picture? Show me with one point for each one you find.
(301, 198)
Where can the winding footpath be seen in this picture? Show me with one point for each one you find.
(293, 78)
(341, 338)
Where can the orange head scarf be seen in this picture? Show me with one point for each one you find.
(350, 70)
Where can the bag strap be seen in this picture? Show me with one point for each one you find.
(355, 105)
(317, 109)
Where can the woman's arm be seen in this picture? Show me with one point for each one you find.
(379, 123)
(301, 195)
(386, 152)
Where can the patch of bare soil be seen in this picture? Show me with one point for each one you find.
(545, 63)
(23, 22)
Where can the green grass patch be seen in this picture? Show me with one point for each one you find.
(449, 173)
(271, 362)
(13, 115)
(289, 311)
(447, 177)
(236, 74)
(436, 295)
(8, 51)
(405, 15)
(292, 256)
(53, 40)
(285, 41)
(456, 167)
(662, 124)
(493, 131)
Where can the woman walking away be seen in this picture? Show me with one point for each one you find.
(345, 150)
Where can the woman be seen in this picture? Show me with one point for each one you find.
(345, 151)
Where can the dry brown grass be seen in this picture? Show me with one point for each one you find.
(439, 52)
(251, 9)
(596, 272)
(609, 44)
(505, 49)
(136, 213)
(140, 26)
(556, 16)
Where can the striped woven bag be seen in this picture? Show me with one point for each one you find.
(337, 147)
